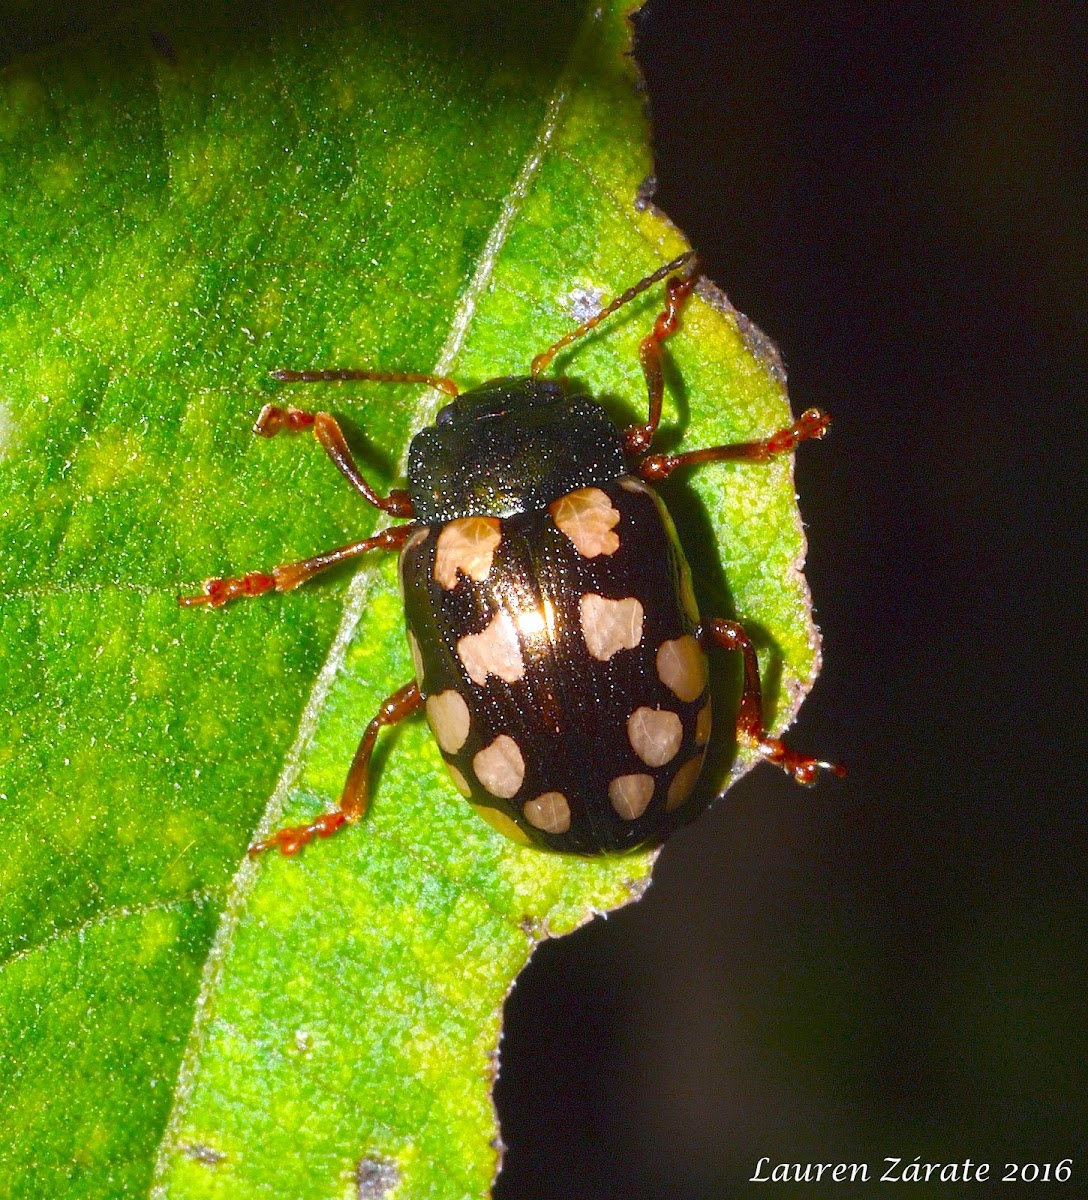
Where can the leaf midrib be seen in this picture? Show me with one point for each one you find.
(359, 589)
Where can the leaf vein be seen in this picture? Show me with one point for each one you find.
(113, 912)
(358, 591)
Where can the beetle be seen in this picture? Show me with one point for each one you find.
(559, 653)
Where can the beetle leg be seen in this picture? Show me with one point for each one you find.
(288, 576)
(750, 729)
(637, 438)
(353, 799)
(812, 424)
(273, 420)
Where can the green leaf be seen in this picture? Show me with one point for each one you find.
(190, 198)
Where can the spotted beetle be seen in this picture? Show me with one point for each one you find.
(559, 653)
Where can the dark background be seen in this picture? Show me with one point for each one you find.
(894, 965)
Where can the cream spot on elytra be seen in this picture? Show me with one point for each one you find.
(467, 545)
(630, 794)
(702, 725)
(507, 826)
(500, 767)
(449, 718)
(610, 625)
(495, 651)
(655, 735)
(459, 781)
(549, 812)
(681, 666)
(588, 518)
(683, 781)
(687, 593)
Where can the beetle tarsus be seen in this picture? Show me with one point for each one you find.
(730, 635)
(813, 423)
(220, 591)
(353, 799)
(288, 576)
(803, 769)
(291, 839)
(272, 420)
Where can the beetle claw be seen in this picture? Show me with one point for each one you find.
(294, 837)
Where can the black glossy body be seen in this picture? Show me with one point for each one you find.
(565, 709)
(510, 446)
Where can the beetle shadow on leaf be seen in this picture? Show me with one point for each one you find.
(385, 746)
(504, 35)
(629, 410)
(770, 673)
(371, 458)
(672, 431)
(702, 548)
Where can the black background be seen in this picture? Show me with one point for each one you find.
(894, 965)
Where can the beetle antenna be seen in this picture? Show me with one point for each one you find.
(542, 361)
